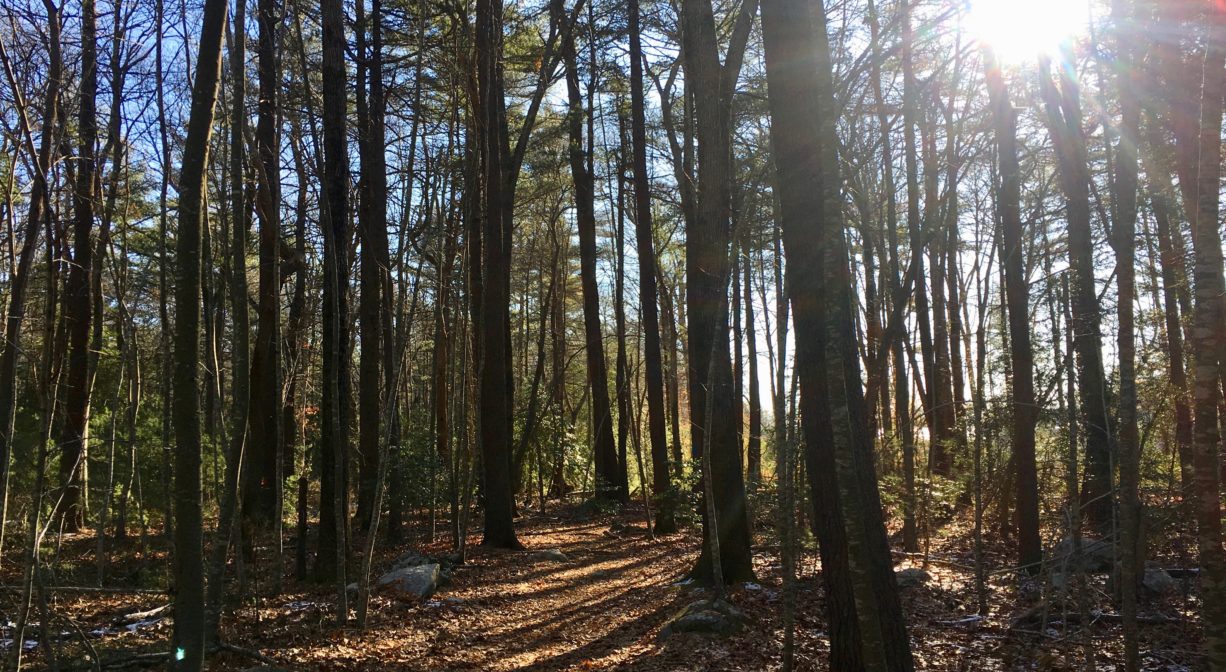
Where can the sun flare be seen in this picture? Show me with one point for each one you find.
(1021, 31)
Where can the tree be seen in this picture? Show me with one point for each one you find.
(331, 559)
(833, 416)
(493, 326)
(40, 207)
(1124, 221)
(648, 302)
(1063, 117)
(262, 497)
(707, 242)
(608, 480)
(189, 525)
(1208, 343)
(1017, 290)
(79, 307)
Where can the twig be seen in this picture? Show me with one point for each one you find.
(95, 589)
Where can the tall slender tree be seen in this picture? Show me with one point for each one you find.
(331, 560)
(188, 554)
(802, 107)
(648, 293)
(75, 434)
(1017, 291)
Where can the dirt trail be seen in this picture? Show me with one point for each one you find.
(601, 609)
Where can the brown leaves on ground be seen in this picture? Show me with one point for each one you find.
(603, 609)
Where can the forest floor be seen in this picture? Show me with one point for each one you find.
(602, 609)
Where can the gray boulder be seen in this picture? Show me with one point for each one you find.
(411, 583)
(1159, 582)
(912, 577)
(1097, 555)
(550, 555)
(707, 617)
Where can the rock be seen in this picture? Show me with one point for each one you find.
(1059, 581)
(708, 617)
(912, 577)
(411, 559)
(1159, 582)
(410, 583)
(550, 555)
(1097, 555)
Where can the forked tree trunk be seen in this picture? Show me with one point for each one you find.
(1063, 110)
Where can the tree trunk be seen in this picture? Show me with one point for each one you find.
(648, 300)
(494, 361)
(263, 481)
(332, 557)
(1124, 222)
(707, 276)
(754, 449)
(801, 98)
(189, 533)
(75, 433)
(1063, 110)
(40, 209)
(1017, 291)
(604, 445)
(917, 239)
(1207, 343)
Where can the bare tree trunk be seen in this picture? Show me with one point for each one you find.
(604, 446)
(189, 602)
(1207, 344)
(1063, 110)
(801, 97)
(74, 437)
(1124, 221)
(332, 559)
(712, 406)
(262, 482)
(648, 293)
(40, 209)
(754, 450)
(1017, 290)
(493, 302)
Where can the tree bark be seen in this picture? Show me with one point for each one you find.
(74, 437)
(40, 209)
(648, 293)
(1017, 291)
(1207, 343)
(494, 361)
(1063, 110)
(707, 242)
(188, 553)
(332, 557)
(263, 482)
(804, 142)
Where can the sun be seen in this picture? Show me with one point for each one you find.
(1020, 31)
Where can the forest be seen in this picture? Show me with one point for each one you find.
(854, 335)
